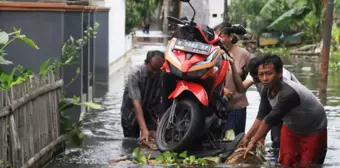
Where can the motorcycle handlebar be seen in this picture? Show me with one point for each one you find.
(175, 20)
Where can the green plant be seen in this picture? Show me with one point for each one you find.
(282, 51)
(336, 37)
(132, 15)
(169, 159)
(8, 38)
(139, 158)
(11, 79)
(70, 51)
(279, 16)
(136, 10)
(5, 165)
(73, 131)
(335, 61)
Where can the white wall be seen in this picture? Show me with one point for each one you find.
(116, 29)
(201, 8)
(216, 7)
(204, 11)
(128, 42)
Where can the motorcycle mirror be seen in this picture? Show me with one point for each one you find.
(239, 29)
(193, 17)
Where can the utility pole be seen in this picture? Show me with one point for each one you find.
(165, 21)
(225, 17)
(325, 51)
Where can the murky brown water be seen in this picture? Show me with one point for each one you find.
(102, 129)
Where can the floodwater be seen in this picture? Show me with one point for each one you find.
(103, 133)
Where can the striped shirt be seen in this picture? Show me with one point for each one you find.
(139, 86)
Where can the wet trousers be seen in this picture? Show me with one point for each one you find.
(302, 150)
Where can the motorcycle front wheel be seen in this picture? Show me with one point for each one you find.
(188, 124)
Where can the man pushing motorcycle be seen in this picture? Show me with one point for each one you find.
(141, 106)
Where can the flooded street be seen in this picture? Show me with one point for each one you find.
(103, 133)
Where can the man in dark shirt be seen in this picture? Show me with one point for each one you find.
(304, 130)
(242, 86)
(141, 106)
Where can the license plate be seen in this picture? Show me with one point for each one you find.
(193, 47)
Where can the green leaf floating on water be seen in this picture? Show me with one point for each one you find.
(91, 105)
(183, 154)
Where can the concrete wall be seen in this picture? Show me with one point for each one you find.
(49, 30)
(49, 38)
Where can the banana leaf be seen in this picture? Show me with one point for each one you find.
(295, 13)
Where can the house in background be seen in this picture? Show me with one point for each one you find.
(209, 12)
(118, 44)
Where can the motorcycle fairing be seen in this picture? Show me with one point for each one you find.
(222, 74)
(195, 62)
(195, 88)
(205, 31)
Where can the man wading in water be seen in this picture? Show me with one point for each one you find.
(141, 106)
(304, 129)
(251, 79)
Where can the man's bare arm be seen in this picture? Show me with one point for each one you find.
(139, 115)
(253, 129)
(135, 96)
(240, 86)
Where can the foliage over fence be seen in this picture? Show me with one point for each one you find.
(26, 86)
(29, 119)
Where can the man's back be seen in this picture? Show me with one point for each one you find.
(139, 86)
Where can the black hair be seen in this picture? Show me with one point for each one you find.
(253, 65)
(273, 59)
(153, 53)
(235, 39)
(226, 32)
(223, 25)
(264, 59)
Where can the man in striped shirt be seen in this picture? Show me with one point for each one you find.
(141, 106)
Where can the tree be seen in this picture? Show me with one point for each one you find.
(136, 10)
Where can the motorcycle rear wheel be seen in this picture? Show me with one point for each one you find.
(194, 126)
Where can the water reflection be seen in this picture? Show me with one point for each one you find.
(103, 132)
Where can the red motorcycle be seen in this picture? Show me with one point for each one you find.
(195, 71)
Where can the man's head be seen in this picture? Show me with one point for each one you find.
(252, 67)
(269, 70)
(227, 37)
(154, 61)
